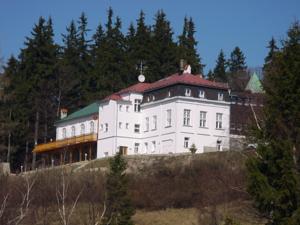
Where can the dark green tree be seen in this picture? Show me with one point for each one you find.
(210, 75)
(119, 208)
(274, 174)
(272, 50)
(187, 46)
(237, 62)
(220, 69)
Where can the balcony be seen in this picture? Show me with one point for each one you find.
(65, 142)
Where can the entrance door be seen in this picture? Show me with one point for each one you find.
(123, 150)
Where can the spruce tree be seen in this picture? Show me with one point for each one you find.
(272, 50)
(274, 174)
(237, 62)
(119, 208)
(220, 69)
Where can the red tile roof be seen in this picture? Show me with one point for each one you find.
(186, 79)
(168, 81)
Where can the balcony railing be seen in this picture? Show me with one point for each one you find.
(65, 142)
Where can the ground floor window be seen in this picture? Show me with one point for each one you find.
(186, 142)
(123, 150)
(136, 147)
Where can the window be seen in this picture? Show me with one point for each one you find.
(219, 146)
(136, 128)
(64, 132)
(153, 97)
(201, 94)
(73, 131)
(146, 147)
(169, 93)
(101, 127)
(127, 126)
(220, 96)
(120, 108)
(219, 121)
(137, 105)
(127, 108)
(147, 124)
(187, 117)
(136, 147)
(154, 122)
(169, 118)
(105, 154)
(188, 92)
(120, 125)
(186, 142)
(106, 127)
(202, 119)
(153, 146)
(92, 126)
(82, 129)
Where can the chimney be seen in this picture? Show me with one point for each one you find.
(182, 65)
(63, 113)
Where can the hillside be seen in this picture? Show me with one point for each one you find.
(170, 189)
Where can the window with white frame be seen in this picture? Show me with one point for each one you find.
(127, 126)
(188, 92)
(120, 108)
(73, 131)
(82, 129)
(169, 118)
(147, 124)
(136, 147)
(202, 119)
(120, 125)
(137, 105)
(154, 120)
(106, 127)
(153, 146)
(146, 147)
(92, 127)
(187, 117)
(169, 93)
(136, 128)
(219, 120)
(101, 127)
(64, 132)
(127, 108)
(220, 96)
(186, 142)
(201, 94)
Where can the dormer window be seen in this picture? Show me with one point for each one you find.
(201, 94)
(120, 108)
(220, 96)
(188, 92)
(82, 129)
(153, 97)
(169, 93)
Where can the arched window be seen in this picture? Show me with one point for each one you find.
(82, 129)
(92, 126)
(64, 132)
(73, 131)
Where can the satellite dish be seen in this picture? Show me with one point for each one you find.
(141, 78)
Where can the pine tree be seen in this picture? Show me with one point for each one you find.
(210, 76)
(272, 50)
(187, 46)
(119, 208)
(273, 176)
(220, 69)
(237, 62)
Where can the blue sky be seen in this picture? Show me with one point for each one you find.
(248, 24)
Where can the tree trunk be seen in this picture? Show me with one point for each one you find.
(9, 140)
(36, 132)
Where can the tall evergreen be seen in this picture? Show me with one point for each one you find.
(119, 207)
(187, 46)
(274, 175)
(272, 50)
(220, 69)
(237, 61)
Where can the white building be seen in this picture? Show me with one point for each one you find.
(163, 117)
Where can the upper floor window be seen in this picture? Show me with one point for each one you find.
(201, 94)
(82, 129)
(92, 127)
(73, 131)
(106, 127)
(169, 118)
(154, 122)
(64, 132)
(120, 108)
(127, 125)
(202, 119)
(220, 96)
(137, 105)
(120, 125)
(188, 92)
(147, 124)
(127, 108)
(136, 128)
(187, 117)
(136, 147)
(219, 120)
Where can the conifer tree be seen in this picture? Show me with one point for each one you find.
(274, 174)
(237, 62)
(210, 75)
(119, 208)
(272, 50)
(220, 69)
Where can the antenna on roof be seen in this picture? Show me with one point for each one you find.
(141, 67)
